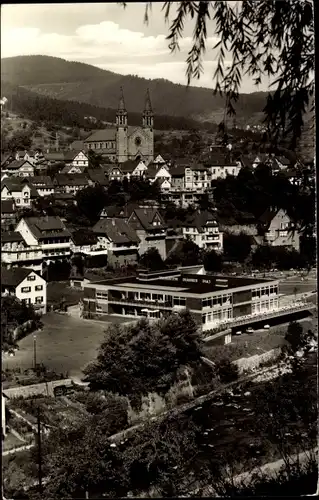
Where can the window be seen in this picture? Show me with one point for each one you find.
(26, 289)
(31, 278)
(38, 300)
(18, 200)
(179, 301)
(38, 287)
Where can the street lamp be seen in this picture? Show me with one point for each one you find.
(35, 351)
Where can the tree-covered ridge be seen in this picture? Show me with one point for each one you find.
(55, 77)
(72, 113)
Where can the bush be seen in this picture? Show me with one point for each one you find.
(227, 371)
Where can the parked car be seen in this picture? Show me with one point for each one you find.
(266, 327)
(238, 332)
(250, 330)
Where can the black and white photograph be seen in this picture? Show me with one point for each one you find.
(159, 305)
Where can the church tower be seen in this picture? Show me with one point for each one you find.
(148, 124)
(121, 130)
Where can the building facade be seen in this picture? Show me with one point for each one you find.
(25, 284)
(124, 142)
(212, 300)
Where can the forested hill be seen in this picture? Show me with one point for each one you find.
(74, 81)
(40, 108)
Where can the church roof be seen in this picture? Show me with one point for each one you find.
(148, 105)
(121, 102)
(107, 134)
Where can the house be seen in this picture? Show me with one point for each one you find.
(8, 214)
(276, 228)
(54, 157)
(114, 173)
(6, 159)
(165, 185)
(202, 228)
(86, 243)
(160, 160)
(157, 172)
(222, 167)
(178, 177)
(25, 284)
(119, 238)
(19, 168)
(150, 228)
(75, 159)
(43, 184)
(133, 168)
(70, 183)
(16, 252)
(283, 162)
(197, 177)
(49, 233)
(20, 190)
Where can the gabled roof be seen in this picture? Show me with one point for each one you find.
(283, 160)
(268, 215)
(42, 181)
(70, 155)
(97, 175)
(199, 220)
(178, 171)
(11, 236)
(16, 164)
(81, 237)
(48, 226)
(8, 207)
(151, 171)
(54, 156)
(77, 145)
(146, 217)
(116, 230)
(14, 184)
(71, 179)
(129, 166)
(14, 276)
(108, 134)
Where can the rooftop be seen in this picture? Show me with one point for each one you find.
(14, 276)
(189, 283)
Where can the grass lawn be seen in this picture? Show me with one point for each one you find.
(257, 343)
(64, 345)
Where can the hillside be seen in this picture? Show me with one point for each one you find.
(40, 108)
(73, 81)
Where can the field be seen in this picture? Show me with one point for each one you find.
(64, 345)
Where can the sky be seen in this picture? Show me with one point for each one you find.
(107, 36)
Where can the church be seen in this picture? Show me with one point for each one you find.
(125, 142)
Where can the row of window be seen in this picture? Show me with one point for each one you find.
(102, 145)
(268, 290)
(217, 316)
(264, 306)
(217, 301)
(27, 289)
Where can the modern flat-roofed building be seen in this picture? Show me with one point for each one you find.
(213, 300)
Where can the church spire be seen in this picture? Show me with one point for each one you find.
(148, 115)
(121, 115)
(121, 101)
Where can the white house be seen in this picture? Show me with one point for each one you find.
(158, 172)
(16, 252)
(43, 184)
(21, 191)
(25, 284)
(19, 168)
(159, 160)
(202, 228)
(197, 177)
(165, 185)
(221, 171)
(133, 168)
(49, 233)
(76, 159)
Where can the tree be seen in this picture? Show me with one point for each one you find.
(237, 247)
(295, 336)
(95, 159)
(226, 371)
(20, 140)
(188, 254)
(90, 202)
(152, 260)
(212, 261)
(142, 358)
(260, 38)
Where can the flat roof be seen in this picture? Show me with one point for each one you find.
(188, 283)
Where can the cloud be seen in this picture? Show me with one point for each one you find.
(111, 47)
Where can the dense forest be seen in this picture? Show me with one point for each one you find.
(72, 114)
(74, 81)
